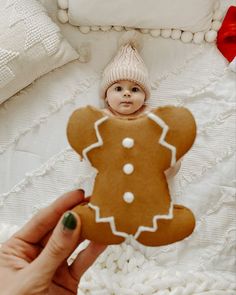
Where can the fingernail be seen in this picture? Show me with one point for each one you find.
(69, 221)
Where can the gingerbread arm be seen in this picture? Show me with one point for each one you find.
(80, 128)
(182, 128)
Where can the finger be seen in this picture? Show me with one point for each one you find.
(61, 244)
(47, 218)
(45, 239)
(85, 259)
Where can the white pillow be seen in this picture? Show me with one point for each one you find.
(187, 15)
(30, 45)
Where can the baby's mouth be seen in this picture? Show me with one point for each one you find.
(126, 102)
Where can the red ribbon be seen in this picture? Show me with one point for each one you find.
(226, 38)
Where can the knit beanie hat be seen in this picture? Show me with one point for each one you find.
(126, 65)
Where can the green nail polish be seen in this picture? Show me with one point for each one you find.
(69, 221)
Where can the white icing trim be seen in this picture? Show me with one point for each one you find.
(154, 226)
(140, 229)
(162, 141)
(96, 144)
(109, 219)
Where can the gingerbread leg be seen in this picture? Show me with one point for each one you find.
(91, 230)
(170, 231)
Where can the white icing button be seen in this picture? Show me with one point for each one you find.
(128, 142)
(128, 197)
(128, 168)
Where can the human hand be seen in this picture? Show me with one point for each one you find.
(34, 260)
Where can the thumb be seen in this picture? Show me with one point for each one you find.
(61, 244)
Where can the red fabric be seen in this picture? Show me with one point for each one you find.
(226, 38)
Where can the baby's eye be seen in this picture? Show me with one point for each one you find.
(135, 89)
(118, 88)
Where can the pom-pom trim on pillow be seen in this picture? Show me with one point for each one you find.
(175, 34)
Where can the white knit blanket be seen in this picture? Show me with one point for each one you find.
(37, 165)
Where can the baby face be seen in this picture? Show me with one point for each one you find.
(125, 97)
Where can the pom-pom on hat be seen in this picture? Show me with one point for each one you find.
(127, 65)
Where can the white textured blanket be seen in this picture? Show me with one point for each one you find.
(37, 165)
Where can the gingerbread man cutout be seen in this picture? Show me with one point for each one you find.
(131, 195)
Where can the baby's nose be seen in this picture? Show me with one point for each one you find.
(126, 93)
